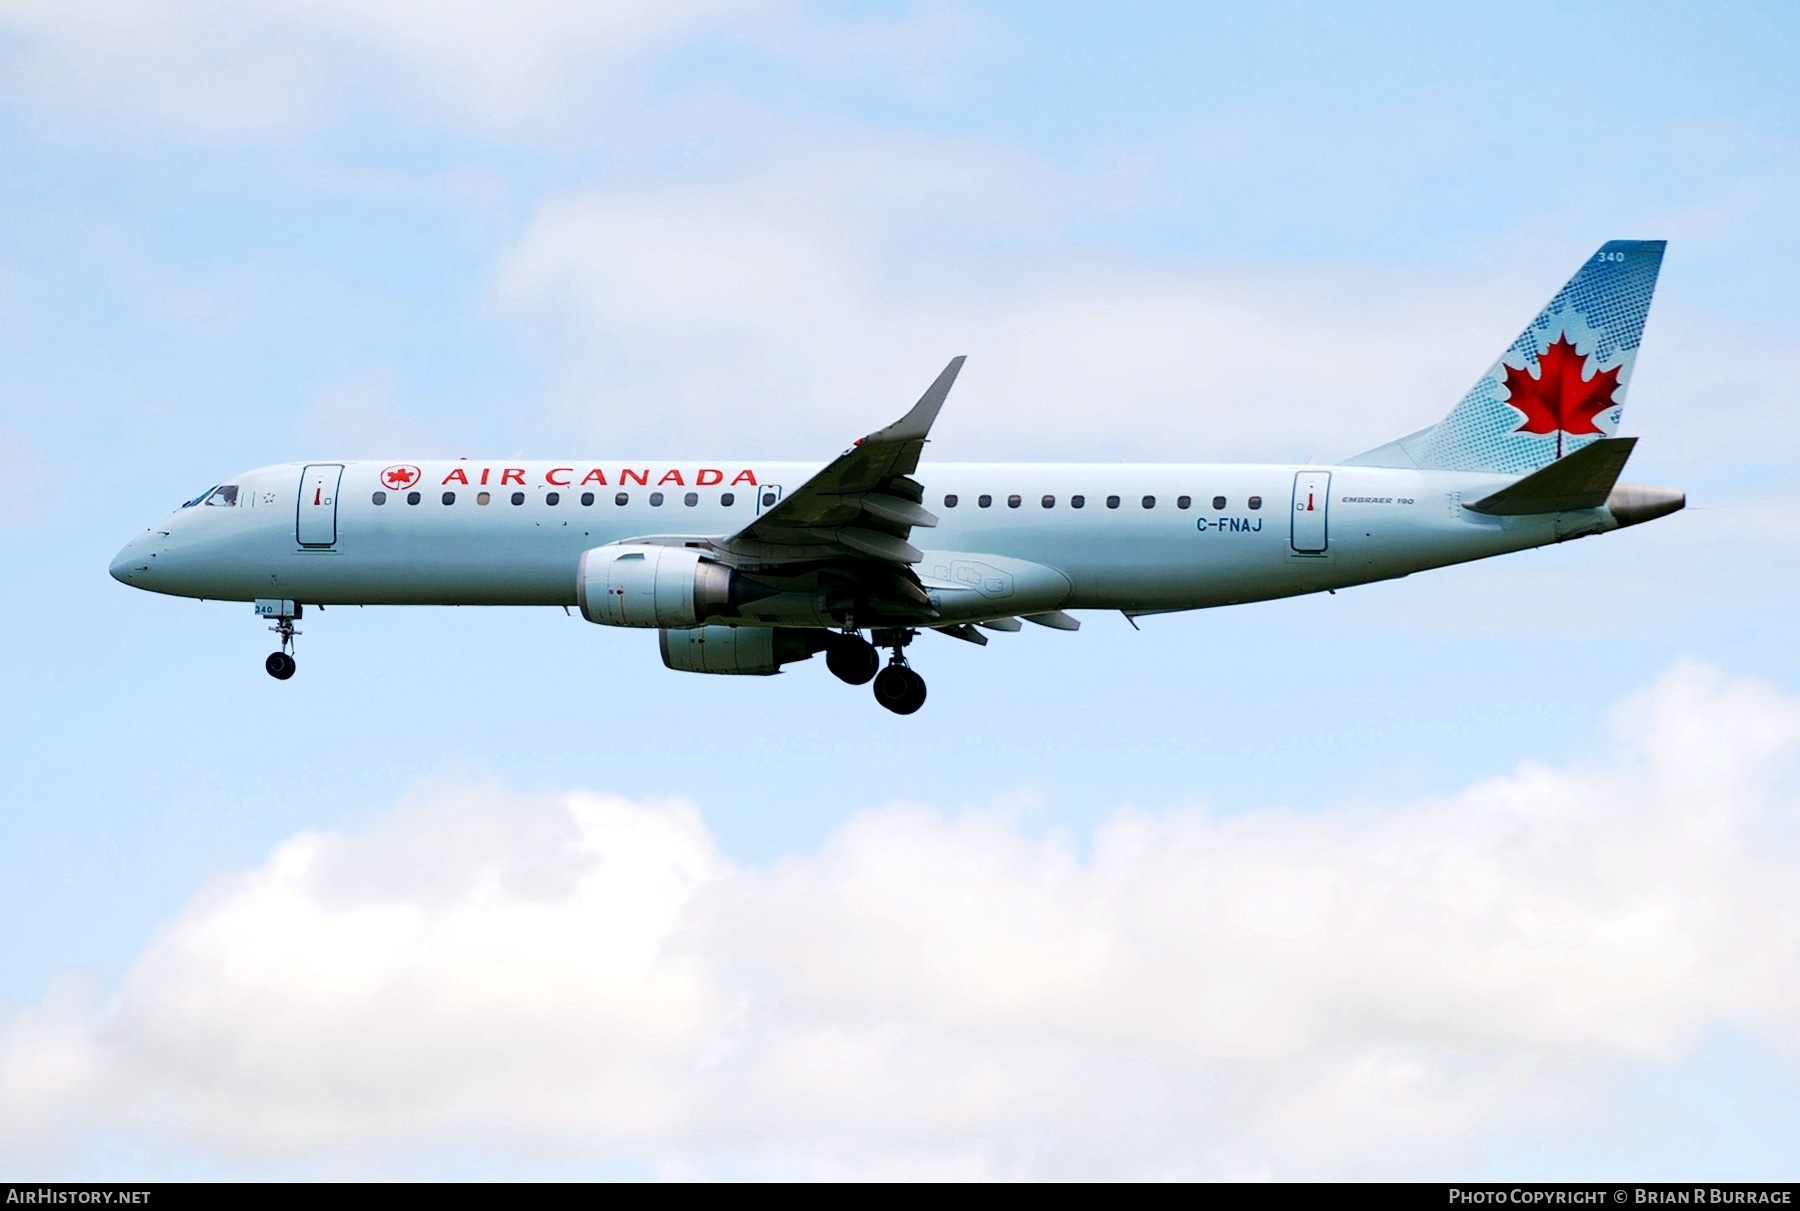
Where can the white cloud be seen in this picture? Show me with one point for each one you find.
(233, 70)
(267, 69)
(824, 293)
(1368, 990)
(785, 310)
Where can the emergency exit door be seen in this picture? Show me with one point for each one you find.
(315, 524)
(1312, 499)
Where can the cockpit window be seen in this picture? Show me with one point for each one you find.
(224, 495)
(190, 504)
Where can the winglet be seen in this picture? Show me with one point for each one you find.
(916, 424)
(1582, 480)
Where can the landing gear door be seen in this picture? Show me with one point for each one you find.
(315, 523)
(1312, 500)
(767, 497)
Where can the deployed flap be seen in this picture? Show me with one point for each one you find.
(863, 505)
(1581, 480)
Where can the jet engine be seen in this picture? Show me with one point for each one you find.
(757, 651)
(647, 586)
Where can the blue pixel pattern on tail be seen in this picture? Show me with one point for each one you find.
(1601, 311)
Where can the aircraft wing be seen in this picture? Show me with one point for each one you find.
(859, 510)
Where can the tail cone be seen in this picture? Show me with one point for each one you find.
(1631, 504)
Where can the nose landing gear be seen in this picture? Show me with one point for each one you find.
(280, 665)
(897, 687)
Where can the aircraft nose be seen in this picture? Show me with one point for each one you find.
(131, 563)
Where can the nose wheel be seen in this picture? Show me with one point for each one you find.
(897, 687)
(280, 665)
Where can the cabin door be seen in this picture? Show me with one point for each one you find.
(315, 524)
(1312, 498)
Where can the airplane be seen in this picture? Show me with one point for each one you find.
(745, 566)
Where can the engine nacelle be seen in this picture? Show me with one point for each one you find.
(645, 586)
(755, 651)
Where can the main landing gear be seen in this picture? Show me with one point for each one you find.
(856, 661)
(897, 687)
(851, 658)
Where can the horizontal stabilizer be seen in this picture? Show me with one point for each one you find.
(1580, 481)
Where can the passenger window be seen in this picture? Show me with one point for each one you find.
(656, 500)
(379, 498)
(1078, 502)
(518, 498)
(984, 500)
(691, 499)
(449, 498)
(768, 499)
(587, 498)
(1256, 502)
(728, 499)
(223, 496)
(1013, 501)
(1112, 502)
(412, 498)
(1049, 502)
(623, 498)
(950, 501)
(1182, 502)
(1218, 502)
(1149, 502)
(481, 498)
(553, 498)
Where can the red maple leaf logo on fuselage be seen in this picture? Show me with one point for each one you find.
(1561, 398)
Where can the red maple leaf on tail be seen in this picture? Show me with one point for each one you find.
(1560, 399)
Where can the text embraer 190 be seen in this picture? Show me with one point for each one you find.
(743, 567)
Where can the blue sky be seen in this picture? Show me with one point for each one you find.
(692, 928)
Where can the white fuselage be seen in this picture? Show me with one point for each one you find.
(1178, 536)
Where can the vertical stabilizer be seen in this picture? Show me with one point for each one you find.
(1558, 387)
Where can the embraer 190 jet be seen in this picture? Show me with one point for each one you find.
(743, 567)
